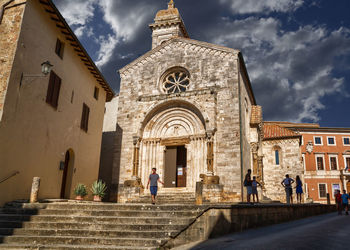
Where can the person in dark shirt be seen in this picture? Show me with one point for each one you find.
(248, 184)
(154, 179)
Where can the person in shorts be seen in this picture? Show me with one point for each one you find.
(345, 201)
(255, 185)
(248, 184)
(153, 180)
(287, 184)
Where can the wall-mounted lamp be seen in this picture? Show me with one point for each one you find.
(45, 70)
(46, 67)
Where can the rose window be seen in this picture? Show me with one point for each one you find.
(176, 82)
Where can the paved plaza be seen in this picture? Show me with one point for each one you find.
(328, 231)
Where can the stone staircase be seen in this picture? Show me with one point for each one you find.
(89, 225)
(167, 198)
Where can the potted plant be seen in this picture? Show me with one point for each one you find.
(98, 189)
(80, 191)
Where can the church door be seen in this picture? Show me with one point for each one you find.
(175, 166)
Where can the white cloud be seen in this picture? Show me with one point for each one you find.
(125, 18)
(262, 6)
(77, 12)
(291, 70)
(107, 46)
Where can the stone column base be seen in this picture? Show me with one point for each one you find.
(130, 190)
(213, 193)
(210, 179)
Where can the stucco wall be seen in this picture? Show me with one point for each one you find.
(34, 136)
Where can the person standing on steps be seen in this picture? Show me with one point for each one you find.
(248, 184)
(287, 184)
(153, 180)
(299, 188)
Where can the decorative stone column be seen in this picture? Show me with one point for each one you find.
(211, 190)
(132, 188)
(135, 169)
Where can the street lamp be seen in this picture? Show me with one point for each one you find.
(46, 67)
(45, 70)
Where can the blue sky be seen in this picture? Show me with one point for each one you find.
(297, 52)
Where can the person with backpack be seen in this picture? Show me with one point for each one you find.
(287, 184)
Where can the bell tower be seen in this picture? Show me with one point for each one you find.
(167, 24)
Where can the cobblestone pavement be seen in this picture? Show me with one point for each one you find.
(329, 231)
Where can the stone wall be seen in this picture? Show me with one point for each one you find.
(213, 92)
(10, 28)
(290, 163)
(219, 220)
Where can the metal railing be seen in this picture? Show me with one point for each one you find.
(8, 177)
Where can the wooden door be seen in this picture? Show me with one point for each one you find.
(181, 175)
(170, 167)
(64, 176)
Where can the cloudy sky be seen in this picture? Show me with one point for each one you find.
(297, 51)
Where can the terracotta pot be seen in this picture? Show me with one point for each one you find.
(97, 198)
(79, 198)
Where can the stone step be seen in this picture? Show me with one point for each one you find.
(71, 247)
(114, 213)
(96, 219)
(88, 233)
(99, 206)
(73, 240)
(91, 226)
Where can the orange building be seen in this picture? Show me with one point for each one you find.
(326, 156)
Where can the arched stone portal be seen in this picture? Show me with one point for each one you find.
(173, 127)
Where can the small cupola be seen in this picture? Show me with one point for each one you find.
(167, 24)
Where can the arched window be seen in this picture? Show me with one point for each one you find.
(277, 151)
(277, 157)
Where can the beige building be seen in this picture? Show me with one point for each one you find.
(185, 107)
(51, 126)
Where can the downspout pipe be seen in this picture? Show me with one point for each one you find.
(240, 124)
(2, 10)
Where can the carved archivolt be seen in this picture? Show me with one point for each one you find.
(174, 122)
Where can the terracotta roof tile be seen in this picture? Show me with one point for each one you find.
(273, 131)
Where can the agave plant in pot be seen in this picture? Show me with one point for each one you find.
(98, 189)
(80, 191)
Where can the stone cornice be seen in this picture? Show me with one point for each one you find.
(206, 91)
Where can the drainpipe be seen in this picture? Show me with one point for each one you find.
(3, 9)
(240, 124)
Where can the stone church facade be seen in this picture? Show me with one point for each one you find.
(186, 108)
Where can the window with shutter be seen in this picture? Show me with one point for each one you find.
(333, 161)
(322, 190)
(53, 90)
(320, 165)
(59, 48)
(85, 118)
(96, 93)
